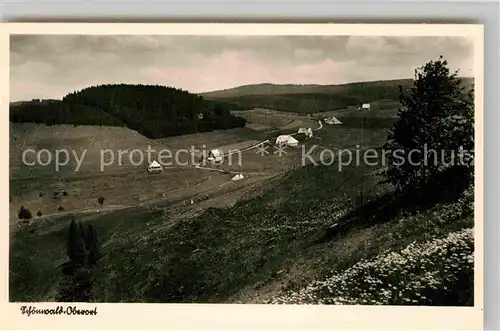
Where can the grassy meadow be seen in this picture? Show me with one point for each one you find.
(300, 228)
(315, 234)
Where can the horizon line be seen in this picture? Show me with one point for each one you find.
(231, 88)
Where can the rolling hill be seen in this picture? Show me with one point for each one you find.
(313, 98)
(287, 89)
(154, 111)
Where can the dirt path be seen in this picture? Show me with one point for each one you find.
(15, 221)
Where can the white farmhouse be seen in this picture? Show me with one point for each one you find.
(331, 120)
(215, 156)
(155, 167)
(287, 140)
(366, 106)
(307, 132)
(237, 177)
(302, 130)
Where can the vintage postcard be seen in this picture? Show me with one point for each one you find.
(230, 176)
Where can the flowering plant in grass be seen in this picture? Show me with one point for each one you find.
(437, 272)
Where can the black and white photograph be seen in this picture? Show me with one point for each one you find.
(271, 169)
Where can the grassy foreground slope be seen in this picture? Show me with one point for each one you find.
(281, 240)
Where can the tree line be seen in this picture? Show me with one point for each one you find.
(154, 111)
(349, 95)
(322, 98)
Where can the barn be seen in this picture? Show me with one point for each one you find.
(237, 177)
(215, 155)
(287, 140)
(331, 120)
(366, 106)
(307, 132)
(155, 167)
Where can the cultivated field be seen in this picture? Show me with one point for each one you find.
(123, 180)
(275, 120)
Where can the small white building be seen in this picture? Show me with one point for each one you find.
(215, 156)
(331, 120)
(237, 177)
(287, 140)
(366, 106)
(155, 167)
(307, 132)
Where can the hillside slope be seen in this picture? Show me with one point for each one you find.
(154, 111)
(314, 98)
(303, 226)
(283, 89)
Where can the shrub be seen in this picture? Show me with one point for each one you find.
(24, 214)
(39, 214)
(100, 200)
(60, 208)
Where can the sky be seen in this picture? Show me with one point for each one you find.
(51, 66)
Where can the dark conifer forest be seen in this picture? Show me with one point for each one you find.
(307, 99)
(154, 111)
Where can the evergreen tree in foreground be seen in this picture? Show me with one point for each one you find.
(82, 247)
(75, 245)
(91, 244)
(434, 134)
(82, 244)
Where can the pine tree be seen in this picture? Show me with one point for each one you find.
(83, 251)
(92, 245)
(75, 244)
(437, 115)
